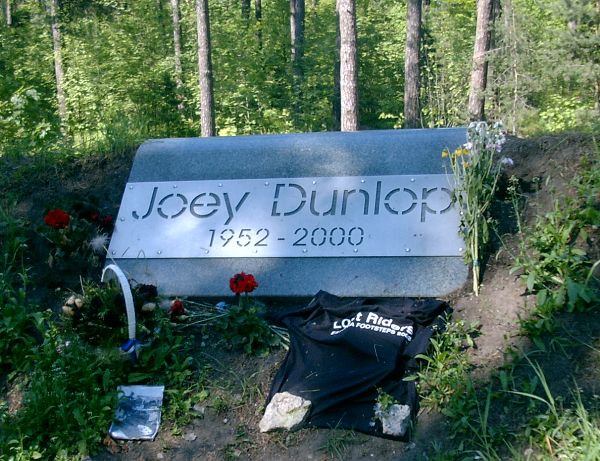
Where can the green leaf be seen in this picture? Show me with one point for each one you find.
(530, 281)
(138, 377)
(541, 297)
(424, 357)
(539, 343)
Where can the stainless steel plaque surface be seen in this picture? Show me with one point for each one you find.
(350, 216)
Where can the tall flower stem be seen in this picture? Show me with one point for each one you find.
(475, 179)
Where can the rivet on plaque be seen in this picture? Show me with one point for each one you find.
(407, 250)
(304, 250)
(159, 252)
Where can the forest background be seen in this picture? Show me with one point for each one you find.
(129, 69)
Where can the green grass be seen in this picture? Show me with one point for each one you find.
(515, 414)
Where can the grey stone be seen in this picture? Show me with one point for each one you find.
(368, 153)
(285, 411)
(395, 420)
(190, 437)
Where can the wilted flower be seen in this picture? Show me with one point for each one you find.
(98, 243)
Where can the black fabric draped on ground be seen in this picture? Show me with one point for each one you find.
(345, 352)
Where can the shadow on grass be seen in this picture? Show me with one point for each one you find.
(531, 407)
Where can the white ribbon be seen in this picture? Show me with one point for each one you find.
(126, 289)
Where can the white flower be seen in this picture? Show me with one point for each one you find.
(98, 243)
(17, 101)
(507, 161)
(33, 94)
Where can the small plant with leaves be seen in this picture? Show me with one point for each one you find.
(476, 173)
(384, 401)
(557, 259)
(443, 379)
(97, 315)
(243, 325)
(72, 236)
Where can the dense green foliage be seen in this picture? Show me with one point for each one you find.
(557, 257)
(120, 86)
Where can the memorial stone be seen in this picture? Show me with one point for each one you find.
(356, 214)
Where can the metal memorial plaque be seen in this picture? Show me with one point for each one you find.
(395, 215)
(357, 214)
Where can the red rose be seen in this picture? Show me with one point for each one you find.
(242, 283)
(58, 219)
(177, 308)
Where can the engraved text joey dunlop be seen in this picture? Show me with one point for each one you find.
(391, 215)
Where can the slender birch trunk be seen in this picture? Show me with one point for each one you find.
(297, 13)
(483, 38)
(412, 115)
(8, 12)
(58, 64)
(177, 52)
(205, 77)
(348, 65)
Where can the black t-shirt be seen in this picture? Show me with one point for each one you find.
(343, 351)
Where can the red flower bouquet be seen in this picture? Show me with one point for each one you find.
(242, 283)
(57, 219)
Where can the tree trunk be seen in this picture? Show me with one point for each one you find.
(483, 38)
(348, 65)
(205, 78)
(58, 64)
(258, 16)
(177, 52)
(336, 109)
(8, 12)
(412, 115)
(246, 10)
(297, 47)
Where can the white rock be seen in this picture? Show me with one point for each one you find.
(285, 411)
(199, 409)
(190, 437)
(395, 420)
(148, 307)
